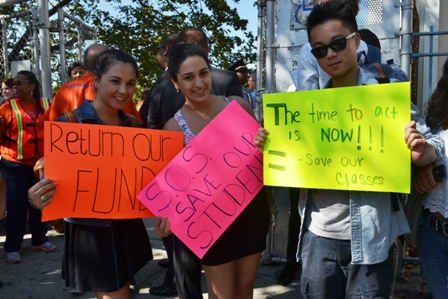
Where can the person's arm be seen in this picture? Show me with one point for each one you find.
(307, 74)
(234, 87)
(154, 114)
(5, 120)
(261, 138)
(162, 227)
(243, 103)
(424, 179)
(172, 125)
(144, 110)
(42, 193)
(424, 154)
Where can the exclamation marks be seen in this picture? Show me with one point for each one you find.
(371, 139)
(359, 138)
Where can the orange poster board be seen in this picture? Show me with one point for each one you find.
(100, 169)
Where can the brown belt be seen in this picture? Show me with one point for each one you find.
(441, 226)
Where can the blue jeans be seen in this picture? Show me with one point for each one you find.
(18, 180)
(433, 253)
(327, 271)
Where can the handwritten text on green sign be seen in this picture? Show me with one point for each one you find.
(341, 138)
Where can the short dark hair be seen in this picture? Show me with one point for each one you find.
(181, 52)
(169, 40)
(354, 4)
(73, 65)
(194, 36)
(334, 10)
(370, 38)
(107, 59)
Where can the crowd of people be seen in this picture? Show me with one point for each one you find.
(341, 240)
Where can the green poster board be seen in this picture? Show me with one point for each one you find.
(348, 138)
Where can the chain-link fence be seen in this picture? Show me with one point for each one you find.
(20, 43)
(71, 37)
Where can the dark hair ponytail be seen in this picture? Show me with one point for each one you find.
(37, 94)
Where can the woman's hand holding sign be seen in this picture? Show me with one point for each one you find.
(162, 227)
(41, 194)
(260, 139)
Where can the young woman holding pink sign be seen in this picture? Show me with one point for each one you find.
(231, 263)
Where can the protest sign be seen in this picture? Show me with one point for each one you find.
(100, 169)
(204, 189)
(340, 138)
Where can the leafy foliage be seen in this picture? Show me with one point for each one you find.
(136, 26)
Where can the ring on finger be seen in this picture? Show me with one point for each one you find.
(42, 198)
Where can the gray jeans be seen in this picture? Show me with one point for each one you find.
(327, 271)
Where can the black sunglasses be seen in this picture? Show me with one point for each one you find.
(159, 47)
(19, 83)
(337, 45)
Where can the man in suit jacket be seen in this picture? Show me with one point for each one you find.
(165, 100)
(162, 52)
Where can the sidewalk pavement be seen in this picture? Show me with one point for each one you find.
(39, 275)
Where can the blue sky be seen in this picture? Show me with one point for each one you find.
(245, 8)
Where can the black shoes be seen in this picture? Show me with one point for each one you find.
(288, 273)
(163, 290)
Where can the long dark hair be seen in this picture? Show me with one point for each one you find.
(181, 52)
(437, 113)
(107, 59)
(37, 93)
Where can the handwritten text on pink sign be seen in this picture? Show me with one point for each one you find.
(204, 188)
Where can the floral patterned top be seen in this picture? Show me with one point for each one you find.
(185, 129)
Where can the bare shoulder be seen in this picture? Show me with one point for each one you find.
(236, 98)
(171, 125)
(243, 103)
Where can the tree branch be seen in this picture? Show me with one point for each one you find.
(59, 5)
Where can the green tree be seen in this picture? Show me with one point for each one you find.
(138, 27)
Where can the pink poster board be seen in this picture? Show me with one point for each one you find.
(207, 185)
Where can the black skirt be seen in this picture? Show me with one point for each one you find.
(245, 236)
(104, 259)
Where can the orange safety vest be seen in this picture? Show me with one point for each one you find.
(27, 133)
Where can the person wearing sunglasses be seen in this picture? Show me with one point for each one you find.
(308, 75)
(22, 144)
(352, 231)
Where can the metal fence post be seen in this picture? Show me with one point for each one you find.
(45, 57)
(406, 35)
(35, 32)
(5, 47)
(62, 44)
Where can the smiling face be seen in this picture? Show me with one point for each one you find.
(338, 65)
(116, 87)
(194, 79)
(22, 88)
